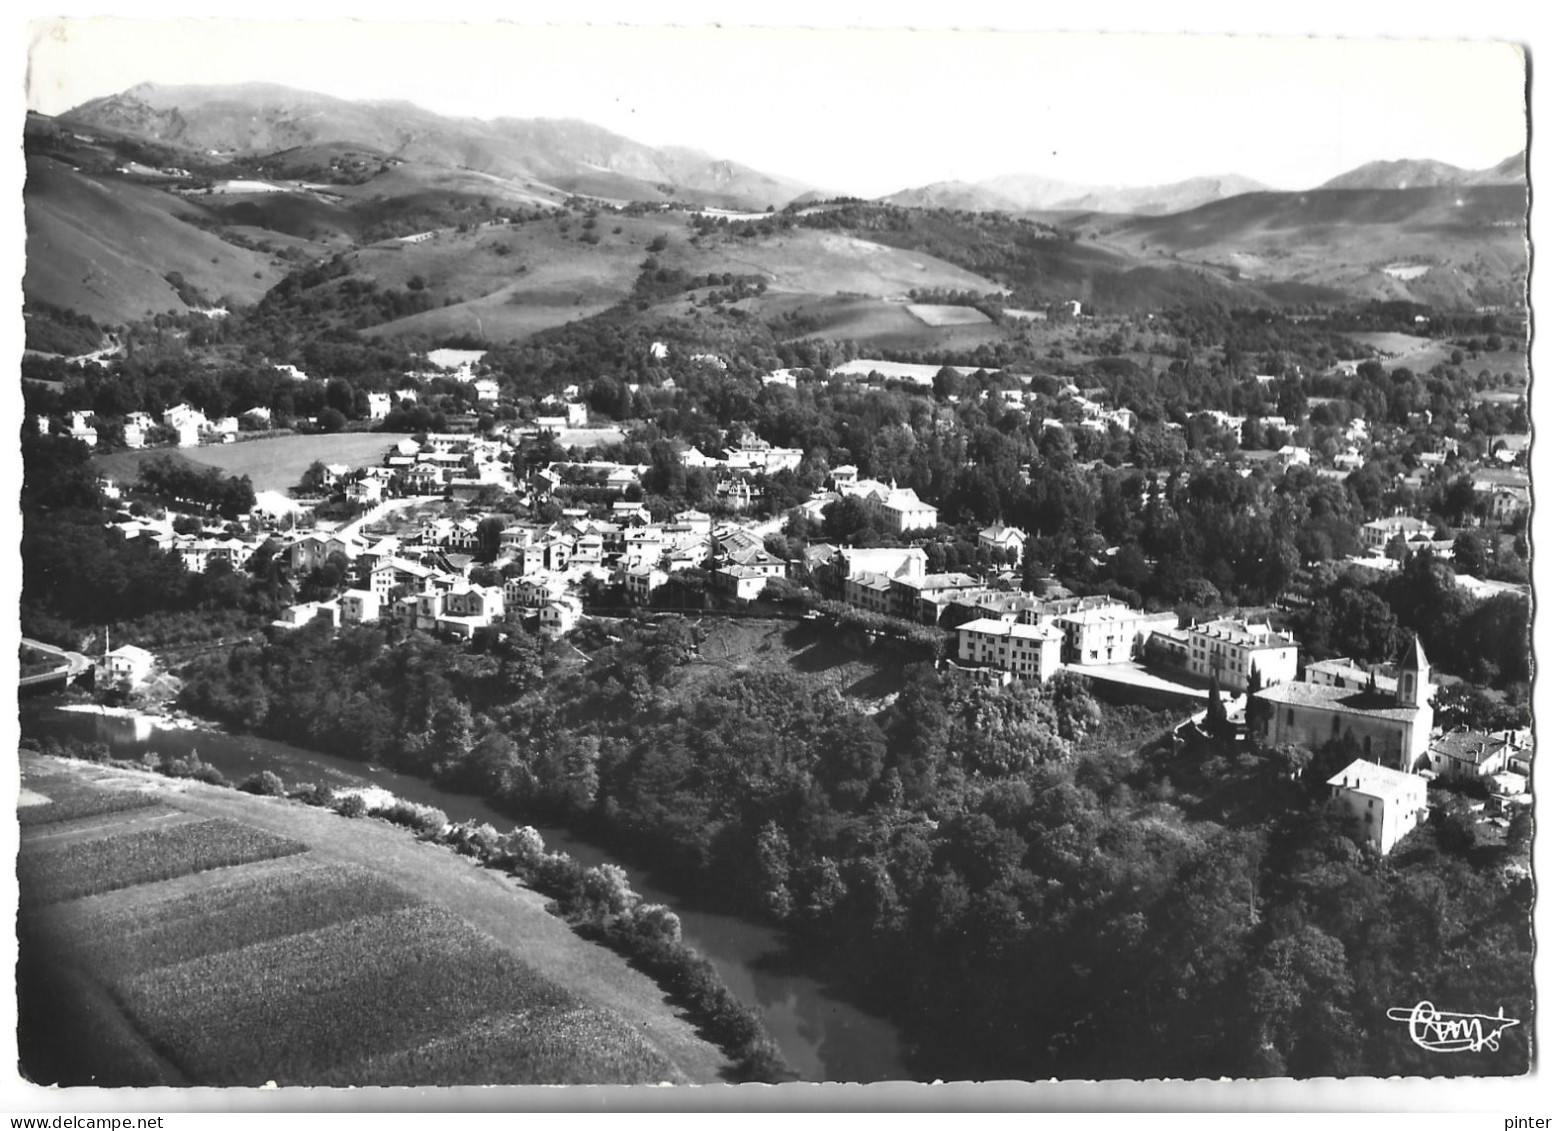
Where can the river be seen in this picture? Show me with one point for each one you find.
(821, 1037)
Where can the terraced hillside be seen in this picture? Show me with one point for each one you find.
(174, 933)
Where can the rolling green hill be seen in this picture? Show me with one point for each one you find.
(260, 118)
(105, 247)
(1471, 239)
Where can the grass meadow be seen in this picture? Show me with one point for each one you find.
(276, 463)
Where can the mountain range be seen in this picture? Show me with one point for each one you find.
(1023, 192)
(573, 156)
(177, 197)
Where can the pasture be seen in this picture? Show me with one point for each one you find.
(1421, 355)
(876, 323)
(938, 314)
(509, 282)
(273, 941)
(275, 463)
(902, 370)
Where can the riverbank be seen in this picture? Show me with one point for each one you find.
(512, 917)
(821, 1035)
(142, 719)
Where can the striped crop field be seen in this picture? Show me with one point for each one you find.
(47, 873)
(217, 953)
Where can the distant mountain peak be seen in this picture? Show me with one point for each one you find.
(1406, 173)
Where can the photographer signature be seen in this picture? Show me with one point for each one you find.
(1438, 1031)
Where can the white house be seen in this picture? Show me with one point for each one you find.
(560, 616)
(1229, 649)
(1377, 534)
(1384, 804)
(1030, 650)
(127, 664)
(1000, 539)
(379, 406)
(360, 606)
(1469, 754)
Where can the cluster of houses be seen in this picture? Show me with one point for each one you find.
(1094, 416)
(751, 455)
(903, 510)
(189, 425)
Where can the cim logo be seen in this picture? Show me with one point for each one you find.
(1437, 1031)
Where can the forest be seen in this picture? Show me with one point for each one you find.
(1030, 883)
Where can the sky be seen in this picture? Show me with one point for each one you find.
(868, 111)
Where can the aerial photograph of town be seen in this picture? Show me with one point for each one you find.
(558, 556)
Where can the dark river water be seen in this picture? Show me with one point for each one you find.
(820, 1036)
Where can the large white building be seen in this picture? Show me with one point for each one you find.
(1033, 651)
(1108, 634)
(900, 505)
(1377, 534)
(1383, 804)
(1229, 649)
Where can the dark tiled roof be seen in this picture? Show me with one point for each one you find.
(1344, 699)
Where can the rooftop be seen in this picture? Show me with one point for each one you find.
(989, 627)
(1344, 699)
(1373, 780)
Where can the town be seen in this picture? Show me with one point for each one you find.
(477, 533)
(505, 603)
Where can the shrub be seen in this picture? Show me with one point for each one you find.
(265, 783)
(472, 839)
(425, 820)
(352, 805)
(521, 851)
(320, 795)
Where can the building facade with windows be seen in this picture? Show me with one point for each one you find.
(1230, 649)
(1392, 729)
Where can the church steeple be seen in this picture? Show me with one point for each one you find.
(1414, 675)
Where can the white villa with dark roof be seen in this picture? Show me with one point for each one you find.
(1376, 535)
(1000, 539)
(1391, 728)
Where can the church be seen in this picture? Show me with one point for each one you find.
(1392, 728)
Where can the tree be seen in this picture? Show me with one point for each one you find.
(1216, 720)
(1258, 710)
(313, 479)
(490, 532)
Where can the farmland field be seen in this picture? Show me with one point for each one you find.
(365, 957)
(71, 807)
(934, 314)
(293, 1008)
(49, 872)
(273, 464)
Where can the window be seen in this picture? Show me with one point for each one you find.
(1290, 716)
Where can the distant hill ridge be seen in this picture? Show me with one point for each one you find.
(1023, 192)
(574, 156)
